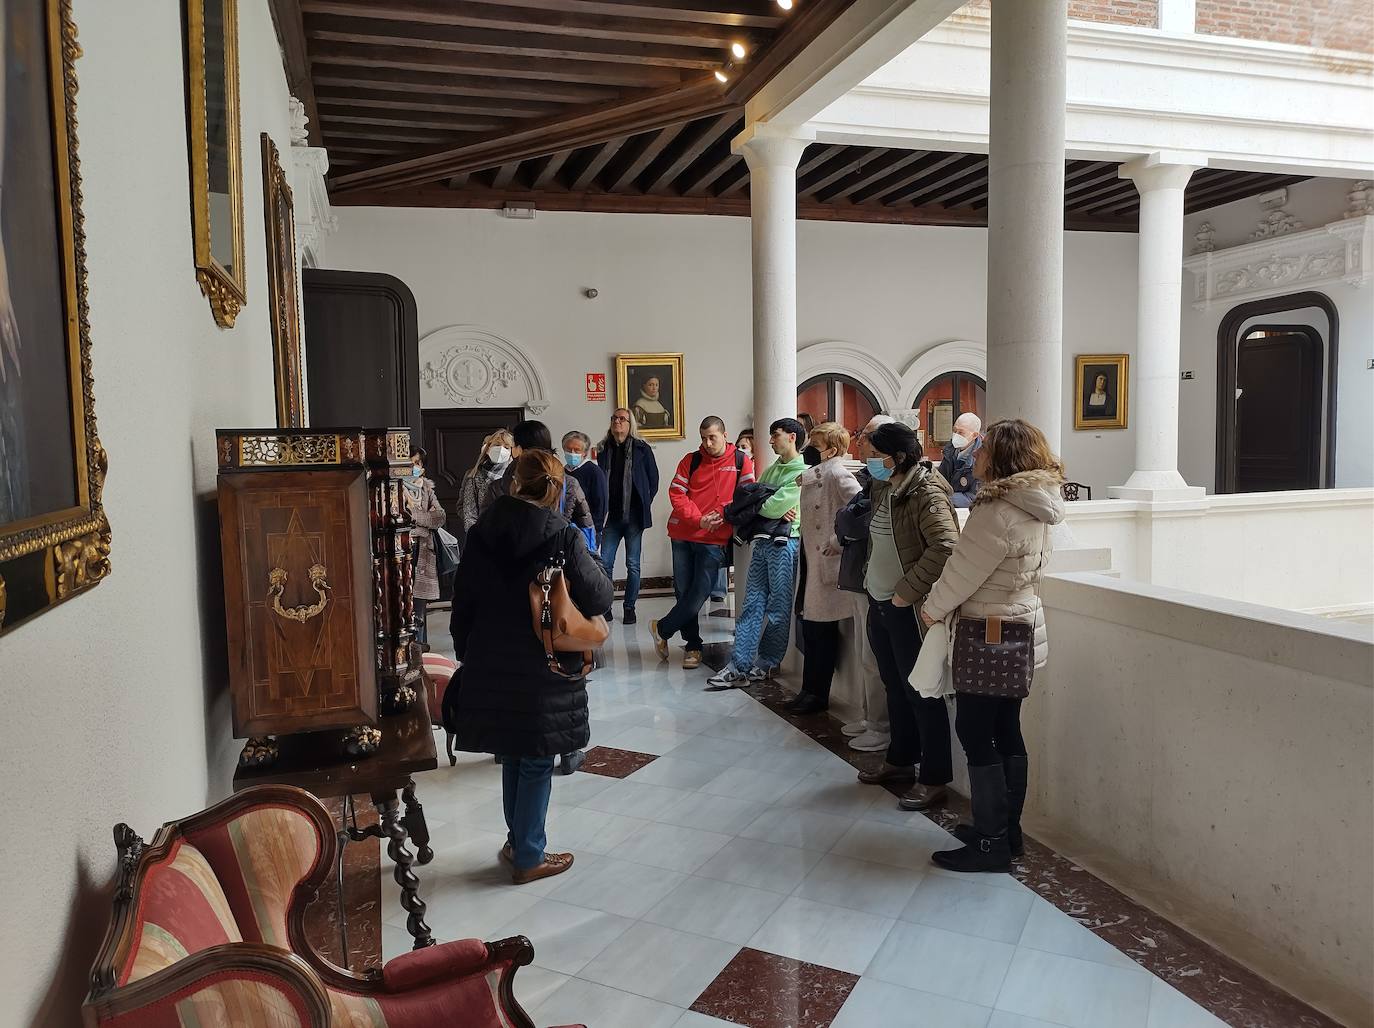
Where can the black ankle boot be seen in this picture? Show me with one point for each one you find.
(987, 850)
(1017, 770)
(807, 703)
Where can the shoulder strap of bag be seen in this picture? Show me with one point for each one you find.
(696, 463)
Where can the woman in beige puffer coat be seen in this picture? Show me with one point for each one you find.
(994, 572)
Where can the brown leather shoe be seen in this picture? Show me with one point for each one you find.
(507, 855)
(888, 773)
(554, 864)
(923, 797)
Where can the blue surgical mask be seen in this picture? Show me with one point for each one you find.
(572, 460)
(878, 469)
(417, 471)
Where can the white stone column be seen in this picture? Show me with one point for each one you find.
(1153, 395)
(1026, 213)
(772, 156)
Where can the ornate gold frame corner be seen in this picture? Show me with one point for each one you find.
(52, 557)
(1122, 419)
(226, 290)
(624, 362)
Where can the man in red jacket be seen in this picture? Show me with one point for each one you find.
(704, 483)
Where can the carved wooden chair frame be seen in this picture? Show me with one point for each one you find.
(300, 969)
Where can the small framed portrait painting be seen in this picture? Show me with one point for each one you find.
(1101, 399)
(650, 385)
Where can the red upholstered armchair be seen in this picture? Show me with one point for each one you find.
(208, 930)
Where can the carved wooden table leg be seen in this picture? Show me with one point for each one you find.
(393, 829)
(416, 825)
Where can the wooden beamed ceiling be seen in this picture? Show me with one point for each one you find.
(613, 105)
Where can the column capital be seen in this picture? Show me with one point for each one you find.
(765, 145)
(1161, 170)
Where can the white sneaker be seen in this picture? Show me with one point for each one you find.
(855, 728)
(870, 742)
(727, 677)
(762, 674)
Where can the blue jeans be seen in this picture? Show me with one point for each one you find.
(766, 620)
(633, 537)
(694, 575)
(526, 783)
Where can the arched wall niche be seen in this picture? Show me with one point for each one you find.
(955, 355)
(895, 392)
(471, 366)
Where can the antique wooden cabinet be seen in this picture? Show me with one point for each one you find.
(317, 582)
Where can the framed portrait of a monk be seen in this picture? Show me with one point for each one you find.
(650, 386)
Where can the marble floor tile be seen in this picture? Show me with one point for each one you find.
(1169, 1008)
(691, 1019)
(859, 885)
(535, 984)
(470, 913)
(671, 847)
(790, 761)
(614, 762)
(615, 886)
(750, 729)
(575, 790)
(763, 865)
(946, 963)
(458, 850)
(582, 1002)
(742, 783)
(720, 910)
(713, 813)
(684, 722)
(829, 796)
(874, 1003)
(768, 990)
(1077, 993)
(676, 772)
(1050, 929)
(657, 741)
(966, 906)
(805, 829)
(707, 749)
(660, 963)
(908, 846)
(583, 830)
(635, 799)
(604, 732)
(1002, 1019)
(565, 937)
(823, 934)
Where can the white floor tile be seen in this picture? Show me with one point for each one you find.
(908, 846)
(395, 941)
(692, 1019)
(470, 912)
(643, 739)
(806, 829)
(859, 885)
(535, 984)
(575, 790)
(969, 907)
(582, 1002)
(675, 772)
(565, 937)
(707, 749)
(1077, 993)
(635, 799)
(945, 963)
(684, 722)
(763, 865)
(458, 851)
(829, 796)
(750, 729)
(660, 963)
(1053, 931)
(721, 910)
(874, 1003)
(1169, 1008)
(713, 813)
(789, 761)
(823, 934)
(604, 733)
(672, 847)
(1002, 1019)
(616, 886)
(583, 830)
(742, 783)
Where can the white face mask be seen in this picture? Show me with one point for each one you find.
(959, 441)
(498, 454)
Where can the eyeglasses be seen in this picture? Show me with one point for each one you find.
(619, 417)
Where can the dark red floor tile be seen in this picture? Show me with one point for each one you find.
(614, 763)
(764, 990)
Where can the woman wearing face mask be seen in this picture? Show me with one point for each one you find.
(911, 535)
(825, 490)
(490, 466)
(428, 515)
(577, 461)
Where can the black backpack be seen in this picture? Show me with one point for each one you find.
(696, 463)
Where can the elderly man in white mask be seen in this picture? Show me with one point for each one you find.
(956, 464)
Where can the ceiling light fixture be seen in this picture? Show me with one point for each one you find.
(721, 76)
(786, 5)
(738, 49)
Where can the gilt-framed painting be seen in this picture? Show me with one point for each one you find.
(54, 536)
(283, 296)
(1101, 391)
(650, 386)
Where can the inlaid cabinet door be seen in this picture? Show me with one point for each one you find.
(299, 598)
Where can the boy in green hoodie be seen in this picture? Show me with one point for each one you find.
(764, 623)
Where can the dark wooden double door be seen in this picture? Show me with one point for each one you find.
(1279, 410)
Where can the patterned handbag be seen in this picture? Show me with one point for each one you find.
(995, 656)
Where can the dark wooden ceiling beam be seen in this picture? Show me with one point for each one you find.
(430, 136)
(814, 156)
(735, 179)
(878, 169)
(419, 102)
(637, 156)
(504, 175)
(343, 113)
(532, 46)
(512, 18)
(690, 144)
(935, 185)
(847, 162)
(706, 12)
(1106, 191)
(1241, 192)
(1221, 183)
(399, 80)
(698, 181)
(926, 168)
(286, 18)
(596, 162)
(548, 173)
(1090, 183)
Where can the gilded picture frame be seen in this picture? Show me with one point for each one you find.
(1102, 391)
(212, 107)
(54, 535)
(283, 293)
(650, 385)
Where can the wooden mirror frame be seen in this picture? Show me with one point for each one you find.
(283, 293)
(225, 289)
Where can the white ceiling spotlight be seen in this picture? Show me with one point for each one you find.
(739, 50)
(786, 5)
(721, 76)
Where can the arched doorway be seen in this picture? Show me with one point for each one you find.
(941, 401)
(838, 398)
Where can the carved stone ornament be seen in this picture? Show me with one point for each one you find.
(1276, 223)
(469, 366)
(1297, 260)
(1205, 238)
(315, 217)
(1361, 197)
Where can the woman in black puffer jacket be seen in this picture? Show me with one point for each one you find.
(509, 703)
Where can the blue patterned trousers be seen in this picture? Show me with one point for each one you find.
(764, 623)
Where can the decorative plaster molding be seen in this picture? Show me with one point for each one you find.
(841, 358)
(315, 216)
(1361, 197)
(468, 366)
(1338, 252)
(956, 355)
(1205, 239)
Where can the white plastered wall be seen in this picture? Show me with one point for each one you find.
(108, 714)
(681, 283)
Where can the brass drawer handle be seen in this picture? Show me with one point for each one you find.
(318, 580)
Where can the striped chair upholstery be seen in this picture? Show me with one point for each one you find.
(438, 670)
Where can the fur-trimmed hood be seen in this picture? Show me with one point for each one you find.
(1035, 492)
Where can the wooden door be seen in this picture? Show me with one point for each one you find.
(1278, 410)
(362, 350)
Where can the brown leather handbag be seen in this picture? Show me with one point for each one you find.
(560, 626)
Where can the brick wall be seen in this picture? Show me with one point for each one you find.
(1337, 24)
(1116, 12)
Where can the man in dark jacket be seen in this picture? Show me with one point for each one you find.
(631, 485)
(508, 701)
(956, 463)
(576, 447)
